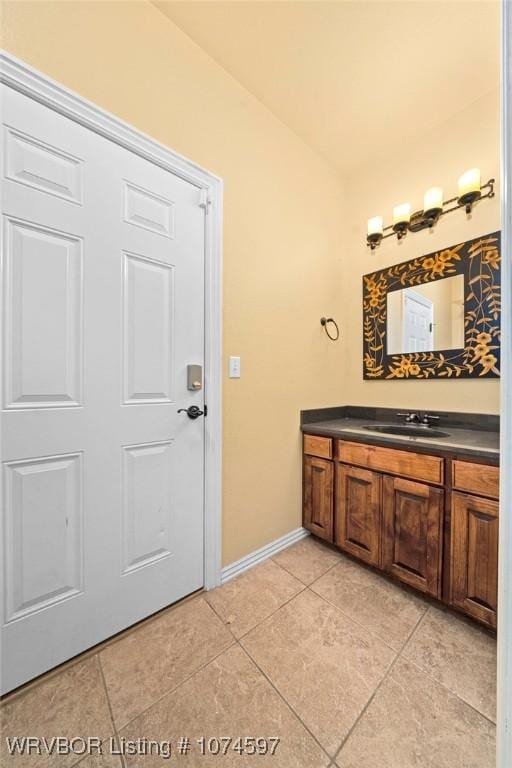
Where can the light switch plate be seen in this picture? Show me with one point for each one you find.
(234, 367)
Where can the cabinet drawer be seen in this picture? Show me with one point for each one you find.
(476, 478)
(417, 466)
(318, 446)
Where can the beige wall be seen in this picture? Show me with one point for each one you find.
(284, 214)
(469, 139)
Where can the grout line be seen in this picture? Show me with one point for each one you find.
(454, 693)
(411, 635)
(377, 689)
(112, 729)
(325, 574)
(176, 687)
(404, 657)
(304, 588)
(413, 630)
(365, 708)
(286, 702)
(272, 614)
(363, 626)
(284, 568)
(223, 621)
(116, 734)
(299, 579)
(296, 594)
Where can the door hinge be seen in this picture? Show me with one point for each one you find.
(204, 200)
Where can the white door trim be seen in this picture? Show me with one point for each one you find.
(34, 84)
(504, 718)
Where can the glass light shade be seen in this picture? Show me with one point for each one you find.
(375, 225)
(433, 199)
(469, 182)
(402, 214)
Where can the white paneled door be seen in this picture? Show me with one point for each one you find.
(418, 322)
(102, 311)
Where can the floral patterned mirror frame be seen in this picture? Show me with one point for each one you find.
(479, 261)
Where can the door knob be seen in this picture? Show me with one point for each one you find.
(193, 412)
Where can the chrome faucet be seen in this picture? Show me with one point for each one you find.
(416, 417)
(411, 418)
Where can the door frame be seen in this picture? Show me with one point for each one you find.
(38, 86)
(504, 680)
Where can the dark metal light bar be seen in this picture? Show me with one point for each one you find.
(427, 219)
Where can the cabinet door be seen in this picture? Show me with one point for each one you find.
(474, 556)
(358, 512)
(411, 545)
(318, 496)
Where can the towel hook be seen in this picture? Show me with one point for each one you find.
(324, 321)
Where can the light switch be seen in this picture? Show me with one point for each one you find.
(234, 367)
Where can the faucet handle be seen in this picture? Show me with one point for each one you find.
(409, 417)
(426, 418)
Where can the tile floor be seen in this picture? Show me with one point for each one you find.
(346, 668)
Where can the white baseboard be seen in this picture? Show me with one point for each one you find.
(235, 569)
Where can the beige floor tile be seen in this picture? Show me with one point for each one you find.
(230, 697)
(72, 704)
(458, 654)
(158, 656)
(245, 601)
(322, 663)
(415, 721)
(382, 607)
(308, 559)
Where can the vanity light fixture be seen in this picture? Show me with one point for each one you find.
(470, 191)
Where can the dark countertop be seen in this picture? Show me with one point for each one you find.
(477, 442)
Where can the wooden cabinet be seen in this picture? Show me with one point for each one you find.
(358, 512)
(474, 556)
(412, 533)
(318, 496)
(429, 521)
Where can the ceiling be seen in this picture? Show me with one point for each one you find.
(353, 79)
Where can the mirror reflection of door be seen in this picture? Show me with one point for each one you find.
(426, 317)
(417, 322)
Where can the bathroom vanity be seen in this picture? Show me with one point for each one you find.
(423, 509)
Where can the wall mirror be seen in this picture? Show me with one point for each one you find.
(436, 316)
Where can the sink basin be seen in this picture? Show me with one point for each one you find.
(413, 430)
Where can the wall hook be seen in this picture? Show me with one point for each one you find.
(324, 321)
